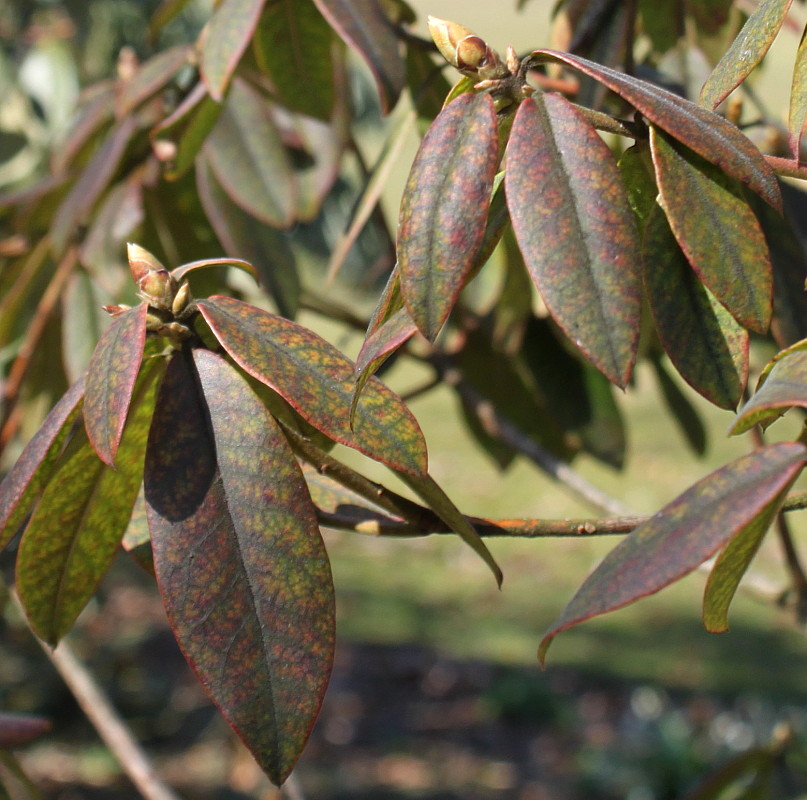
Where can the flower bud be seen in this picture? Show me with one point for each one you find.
(181, 299)
(466, 51)
(157, 286)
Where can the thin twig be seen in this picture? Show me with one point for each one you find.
(787, 167)
(110, 727)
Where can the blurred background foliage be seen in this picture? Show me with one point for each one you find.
(435, 693)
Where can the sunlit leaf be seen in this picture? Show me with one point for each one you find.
(240, 562)
(226, 37)
(151, 77)
(137, 539)
(187, 128)
(797, 116)
(317, 381)
(180, 272)
(430, 492)
(732, 563)
(77, 526)
(247, 155)
(681, 536)
(576, 231)
(717, 231)
(111, 378)
(444, 207)
(242, 235)
(34, 468)
(365, 28)
(293, 46)
(785, 386)
(708, 134)
(94, 179)
(708, 347)
(745, 52)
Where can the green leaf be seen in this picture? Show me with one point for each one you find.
(240, 233)
(78, 524)
(444, 207)
(428, 86)
(365, 28)
(240, 562)
(34, 468)
(187, 128)
(430, 492)
(717, 231)
(745, 52)
(681, 536)
(576, 231)
(151, 77)
(248, 157)
(708, 134)
(707, 346)
(293, 46)
(111, 377)
(317, 381)
(785, 386)
(137, 539)
(685, 414)
(797, 116)
(732, 564)
(226, 37)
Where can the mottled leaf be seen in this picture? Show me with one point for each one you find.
(785, 386)
(94, 179)
(430, 492)
(111, 378)
(34, 468)
(186, 129)
(293, 46)
(240, 562)
(388, 303)
(708, 347)
(745, 52)
(680, 537)
(248, 157)
(77, 526)
(708, 134)
(576, 231)
(317, 381)
(226, 37)
(241, 234)
(19, 729)
(717, 231)
(365, 28)
(732, 563)
(151, 77)
(444, 207)
(797, 116)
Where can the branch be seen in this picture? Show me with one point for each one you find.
(500, 428)
(110, 727)
(787, 167)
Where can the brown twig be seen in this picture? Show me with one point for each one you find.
(787, 167)
(19, 369)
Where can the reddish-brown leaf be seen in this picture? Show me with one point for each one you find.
(365, 28)
(19, 729)
(444, 208)
(317, 381)
(576, 231)
(708, 347)
(239, 559)
(681, 536)
(151, 76)
(719, 233)
(226, 37)
(381, 344)
(111, 377)
(34, 468)
(745, 52)
(700, 129)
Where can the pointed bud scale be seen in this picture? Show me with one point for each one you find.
(115, 311)
(141, 262)
(181, 299)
